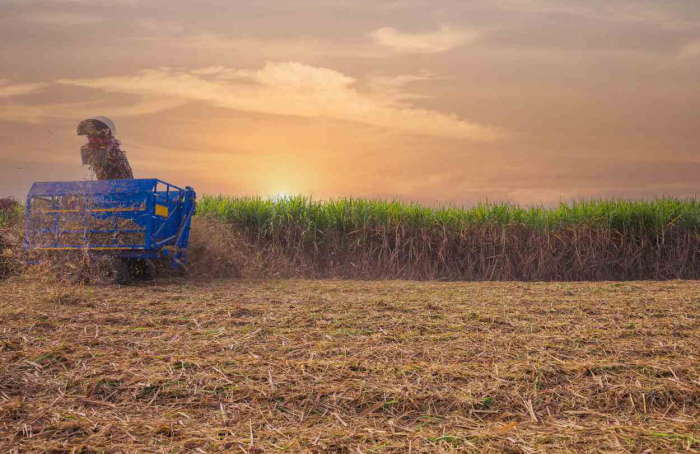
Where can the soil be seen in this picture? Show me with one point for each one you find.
(193, 366)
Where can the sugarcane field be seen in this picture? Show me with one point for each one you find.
(350, 227)
(360, 338)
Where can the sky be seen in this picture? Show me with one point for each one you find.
(440, 101)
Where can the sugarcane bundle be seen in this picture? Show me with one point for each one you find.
(107, 161)
(103, 153)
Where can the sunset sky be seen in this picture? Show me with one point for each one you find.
(441, 101)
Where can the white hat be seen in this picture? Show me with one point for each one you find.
(104, 120)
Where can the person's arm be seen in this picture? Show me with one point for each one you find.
(85, 154)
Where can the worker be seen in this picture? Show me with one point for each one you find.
(102, 153)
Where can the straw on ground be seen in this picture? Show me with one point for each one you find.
(342, 366)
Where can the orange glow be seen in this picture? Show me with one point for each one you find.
(527, 101)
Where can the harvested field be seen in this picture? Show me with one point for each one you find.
(349, 367)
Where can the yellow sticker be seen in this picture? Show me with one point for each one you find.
(161, 210)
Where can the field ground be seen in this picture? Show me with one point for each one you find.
(356, 367)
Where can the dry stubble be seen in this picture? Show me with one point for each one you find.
(342, 366)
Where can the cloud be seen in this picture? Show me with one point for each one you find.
(393, 6)
(159, 27)
(7, 90)
(65, 19)
(292, 89)
(394, 85)
(658, 14)
(690, 50)
(179, 35)
(22, 113)
(440, 40)
(73, 2)
(301, 48)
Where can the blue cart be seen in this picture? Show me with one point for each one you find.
(140, 220)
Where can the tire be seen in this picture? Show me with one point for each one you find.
(142, 270)
(109, 270)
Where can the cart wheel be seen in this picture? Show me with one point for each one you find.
(110, 270)
(143, 270)
(72, 268)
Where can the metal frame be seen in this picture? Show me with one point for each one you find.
(137, 201)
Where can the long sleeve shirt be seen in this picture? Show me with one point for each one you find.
(108, 161)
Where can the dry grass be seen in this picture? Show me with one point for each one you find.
(485, 253)
(217, 251)
(596, 240)
(356, 367)
(490, 253)
(11, 235)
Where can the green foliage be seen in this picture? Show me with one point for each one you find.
(380, 239)
(10, 218)
(310, 217)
